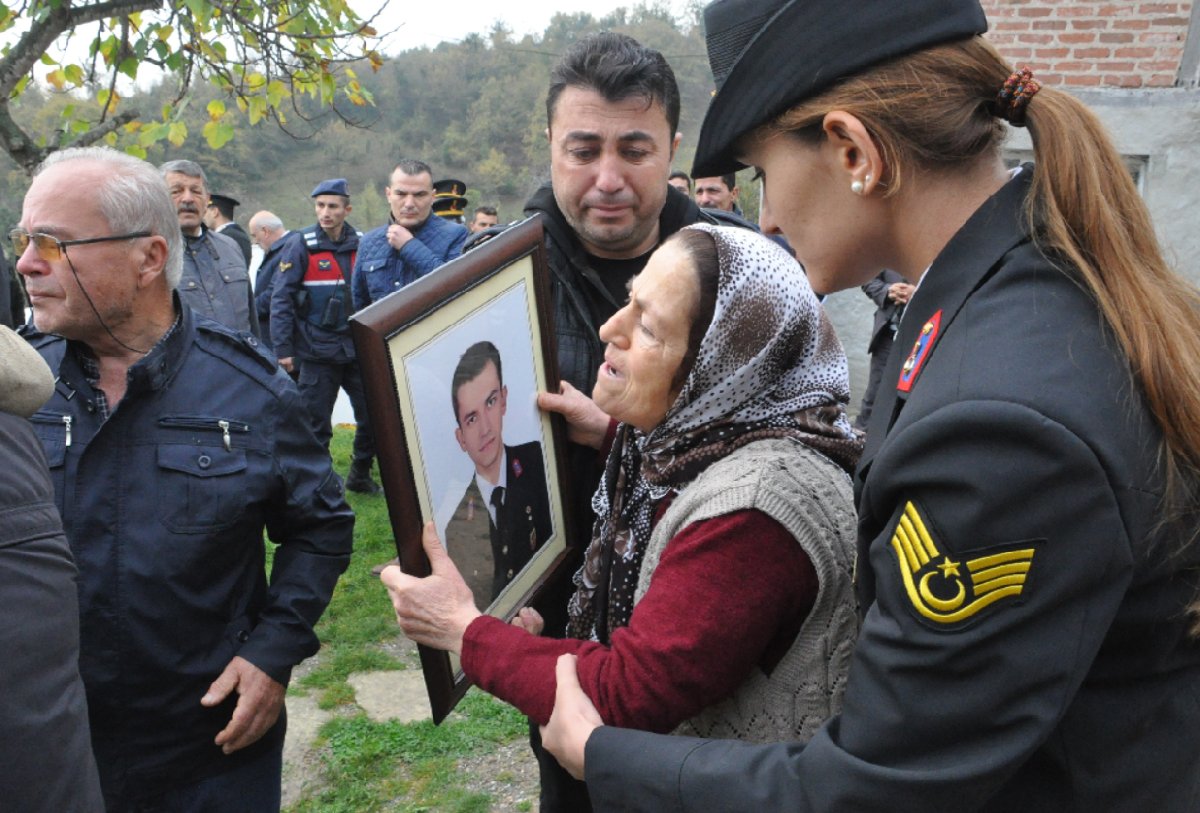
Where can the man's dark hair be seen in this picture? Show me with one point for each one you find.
(472, 363)
(729, 180)
(618, 68)
(490, 211)
(410, 166)
(679, 173)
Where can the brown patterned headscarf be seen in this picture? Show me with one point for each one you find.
(769, 366)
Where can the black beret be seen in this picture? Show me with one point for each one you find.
(768, 55)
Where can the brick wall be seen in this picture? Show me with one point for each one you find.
(1078, 43)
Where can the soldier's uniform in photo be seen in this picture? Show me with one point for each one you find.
(514, 521)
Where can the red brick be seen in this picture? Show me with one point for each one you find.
(1092, 53)
(1014, 54)
(1050, 78)
(1123, 81)
(1112, 10)
(1114, 67)
(1135, 53)
(1088, 25)
(1074, 67)
(1083, 81)
(1159, 38)
(1040, 11)
(1075, 39)
(1050, 25)
(1053, 53)
(1131, 25)
(1158, 65)
(1158, 8)
(1170, 22)
(1116, 39)
(1073, 10)
(1036, 39)
(1011, 25)
(1161, 81)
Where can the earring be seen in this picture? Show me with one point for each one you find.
(857, 187)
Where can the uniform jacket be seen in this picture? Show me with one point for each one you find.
(215, 281)
(238, 235)
(264, 281)
(164, 505)
(1024, 645)
(310, 298)
(885, 309)
(381, 269)
(523, 524)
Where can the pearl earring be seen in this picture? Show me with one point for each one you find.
(857, 187)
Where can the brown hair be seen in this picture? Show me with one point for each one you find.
(932, 110)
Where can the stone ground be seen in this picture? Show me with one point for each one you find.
(508, 774)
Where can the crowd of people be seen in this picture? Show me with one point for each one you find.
(990, 604)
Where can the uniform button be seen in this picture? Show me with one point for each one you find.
(204, 461)
(510, 573)
(243, 636)
(504, 550)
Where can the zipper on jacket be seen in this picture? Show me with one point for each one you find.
(52, 419)
(223, 425)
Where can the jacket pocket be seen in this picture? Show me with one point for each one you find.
(201, 487)
(54, 431)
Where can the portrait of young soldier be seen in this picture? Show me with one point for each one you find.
(504, 516)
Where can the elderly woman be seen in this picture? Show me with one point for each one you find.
(716, 593)
(1029, 495)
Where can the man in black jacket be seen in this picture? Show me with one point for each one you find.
(173, 443)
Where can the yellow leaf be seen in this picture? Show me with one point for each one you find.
(216, 109)
(57, 78)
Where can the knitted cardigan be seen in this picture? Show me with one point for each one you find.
(812, 498)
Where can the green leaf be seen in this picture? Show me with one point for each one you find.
(217, 134)
(74, 74)
(216, 109)
(129, 67)
(177, 133)
(136, 151)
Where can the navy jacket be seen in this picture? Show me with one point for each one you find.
(264, 281)
(1024, 642)
(164, 505)
(310, 298)
(381, 269)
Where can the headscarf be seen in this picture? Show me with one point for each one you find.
(769, 366)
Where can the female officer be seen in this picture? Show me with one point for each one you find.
(1028, 496)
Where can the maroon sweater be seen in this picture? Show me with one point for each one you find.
(729, 595)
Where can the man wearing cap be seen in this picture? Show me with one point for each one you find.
(310, 306)
(173, 444)
(412, 244)
(215, 280)
(219, 217)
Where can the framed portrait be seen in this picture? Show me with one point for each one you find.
(453, 364)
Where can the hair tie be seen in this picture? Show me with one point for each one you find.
(1014, 96)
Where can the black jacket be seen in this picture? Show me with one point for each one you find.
(165, 504)
(46, 759)
(886, 311)
(1027, 650)
(238, 235)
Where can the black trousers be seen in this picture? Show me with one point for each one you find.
(319, 384)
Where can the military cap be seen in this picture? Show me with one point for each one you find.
(333, 186)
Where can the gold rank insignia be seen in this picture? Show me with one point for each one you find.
(946, 591)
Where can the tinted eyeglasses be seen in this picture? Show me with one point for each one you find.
(50, 248)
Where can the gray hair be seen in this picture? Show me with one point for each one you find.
(133, 198)
(185, 167)
(266, 220)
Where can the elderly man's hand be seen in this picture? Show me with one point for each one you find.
(437, 609)
(587, 424)
(573, 720)
(260, 699)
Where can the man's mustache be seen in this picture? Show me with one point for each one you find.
(188, 207)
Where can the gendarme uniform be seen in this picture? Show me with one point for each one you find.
(310, 309)
(1024, 642)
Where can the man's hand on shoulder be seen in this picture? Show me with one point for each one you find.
(398, 236)
(260, 699)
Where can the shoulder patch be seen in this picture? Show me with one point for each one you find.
(946, 593)
(921, 349)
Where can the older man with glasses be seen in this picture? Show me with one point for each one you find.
(173, 443)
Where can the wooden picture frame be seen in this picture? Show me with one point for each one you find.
(420, 349)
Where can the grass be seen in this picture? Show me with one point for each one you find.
(373, 766)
